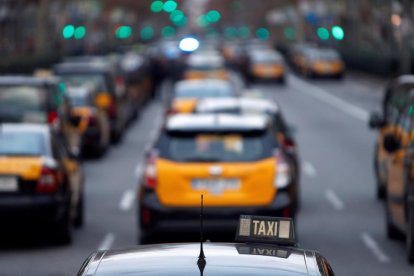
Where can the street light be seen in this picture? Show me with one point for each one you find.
(338, 33)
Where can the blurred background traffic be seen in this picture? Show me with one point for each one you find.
(116, 115)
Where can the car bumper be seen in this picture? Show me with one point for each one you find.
(155, 216)
(91, 137)
(32, 209)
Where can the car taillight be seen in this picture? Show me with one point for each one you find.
(112, 109)
(288, 144)
(150, 174)
(282, 173)
(52, 117)
(172, 111)
(48, 181)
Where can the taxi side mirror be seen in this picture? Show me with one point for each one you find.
(103, 100)
(391, 143)
(376, 120)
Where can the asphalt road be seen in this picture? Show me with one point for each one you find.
(340, 216)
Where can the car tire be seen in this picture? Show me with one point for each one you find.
(145, 238)
(410, 234)
(63, 228)
(393, 233)
(80, 213)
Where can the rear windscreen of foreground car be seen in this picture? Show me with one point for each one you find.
(23, 144)
(216, 147)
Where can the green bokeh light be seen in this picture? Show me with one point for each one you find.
(123, 32)
(177, 16)
(68, 31)
(80, 32)
(157, 6)
(230, 32)
(168, 31)
(244, 32)
(147, 33)
(262, 33)
(338, 33)
(170, 6)
(213, 16)
(323, 33)
(202, 21)
(289, 33)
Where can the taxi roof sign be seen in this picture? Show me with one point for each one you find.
(260, 229)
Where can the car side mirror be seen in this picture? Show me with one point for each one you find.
(391, 143)
(376, 121)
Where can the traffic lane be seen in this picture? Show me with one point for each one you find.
(340, 216)
(106, 225)
(365, 93)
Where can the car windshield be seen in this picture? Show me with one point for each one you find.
(23, 144)
(216, 147)
(23, 103)
(79, 96)
(77, 80)
(203, 92)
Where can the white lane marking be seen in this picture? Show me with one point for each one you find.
(126, 201)
(336, 202)
(308, 169)
(107, 242)
(334, 101)
(138, 170)
(373, 246)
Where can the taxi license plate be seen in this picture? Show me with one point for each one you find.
(215, 186)
(8, 184)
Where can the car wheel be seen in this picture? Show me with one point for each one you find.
(410, 235)
(63, 228)
(80, 213)
(393, 233)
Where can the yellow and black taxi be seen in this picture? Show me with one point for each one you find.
(399, 184)
(264, 246)
(266, 65)
(235, 160)
(260, 106)
(319, 62)
(186, 93)
(41, 182)
(27, 99)
(93, 121)
(394, 102)
(205, 64)
(104, 75)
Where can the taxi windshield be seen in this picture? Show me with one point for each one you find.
(217, 147)
(203, 92)
(79, 97)
(77, 80)
(22, 144)
(22, 104)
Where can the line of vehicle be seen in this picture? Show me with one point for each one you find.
(330, 99)
(334, 200)
(309, 169)
(373, 246)
(107, 242)
(127, 199)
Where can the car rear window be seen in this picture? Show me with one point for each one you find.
(203, 92)
(22, 103)
(88, 79)
(23, 144)
(216, 146)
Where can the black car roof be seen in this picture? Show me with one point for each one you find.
(27, 80)
(221, 259)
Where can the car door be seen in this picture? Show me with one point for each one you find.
(397, 169)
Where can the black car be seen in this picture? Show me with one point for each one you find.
(104, 75)
(267, 247)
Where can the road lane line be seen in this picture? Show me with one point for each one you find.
(372, 245)
(107, 242)
(126, 201)
(336, 202)
(308, 169)
(332, 100)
